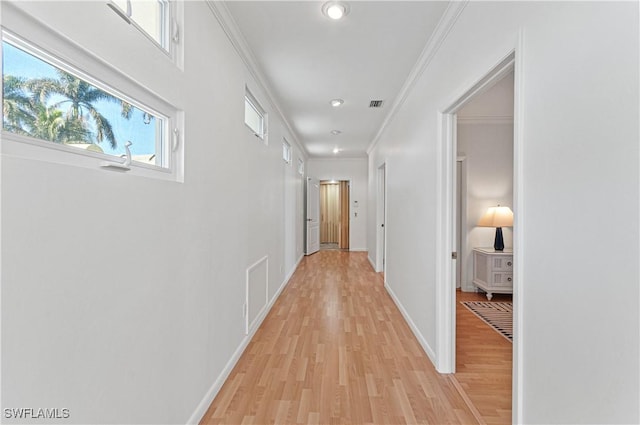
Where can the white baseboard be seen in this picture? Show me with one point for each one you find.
(204, 404)
(423, 342)
(358, 249)
(293, 270)
(200, 411)
(372, 263)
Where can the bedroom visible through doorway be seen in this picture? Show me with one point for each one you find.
(482, 165)
(334, 214)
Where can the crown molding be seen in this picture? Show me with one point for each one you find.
(446, 23)
(485, 119)
(239, 43)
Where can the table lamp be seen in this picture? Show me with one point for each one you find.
(497, 217)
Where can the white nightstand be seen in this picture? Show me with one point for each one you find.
(493, 271)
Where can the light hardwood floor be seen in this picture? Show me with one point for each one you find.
(483, 362)
(335, 350)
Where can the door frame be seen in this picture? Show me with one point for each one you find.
(445, 267)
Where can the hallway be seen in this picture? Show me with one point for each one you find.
(335, 349)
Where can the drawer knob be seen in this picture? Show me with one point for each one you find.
(509, 279)
(509, 263)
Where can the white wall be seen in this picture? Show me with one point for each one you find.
(121, 295)
(354, 170)
(579, 189)
(488, 153)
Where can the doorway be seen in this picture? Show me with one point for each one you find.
(484, 138)
(312, 213)
(446, 238)
(334, 215)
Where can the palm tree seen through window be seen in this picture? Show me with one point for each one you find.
(47, 103)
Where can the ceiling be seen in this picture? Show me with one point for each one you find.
(307, 59)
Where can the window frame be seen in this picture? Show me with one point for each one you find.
(170, 30)
(287, 155)
(58, 51)
(250, 99)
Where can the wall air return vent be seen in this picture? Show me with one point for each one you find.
(376, 103)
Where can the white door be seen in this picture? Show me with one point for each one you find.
(382, 210)
(313, 215)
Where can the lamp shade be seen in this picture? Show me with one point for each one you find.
(497, 217)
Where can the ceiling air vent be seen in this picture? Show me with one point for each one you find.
(376, 104)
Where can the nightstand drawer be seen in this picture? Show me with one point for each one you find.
(503, 263)
(493, 271)
(503, 280)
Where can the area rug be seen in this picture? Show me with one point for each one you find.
(498, 315)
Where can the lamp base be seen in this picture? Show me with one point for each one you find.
(498, 244)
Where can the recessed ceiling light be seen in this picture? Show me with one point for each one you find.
(335, 132)
(335, 9)
(336, 102)
(336, 150)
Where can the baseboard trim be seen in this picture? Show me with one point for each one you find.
(423, 342)
(358, 249)
(371, 262)
(288, 276)
(204, 404)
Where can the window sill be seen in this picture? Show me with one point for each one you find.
(22, 147)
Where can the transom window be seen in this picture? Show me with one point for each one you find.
(43, 102)
(286, 151)
(152, 17)
(254, 116)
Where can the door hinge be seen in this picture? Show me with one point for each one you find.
(454, 255)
